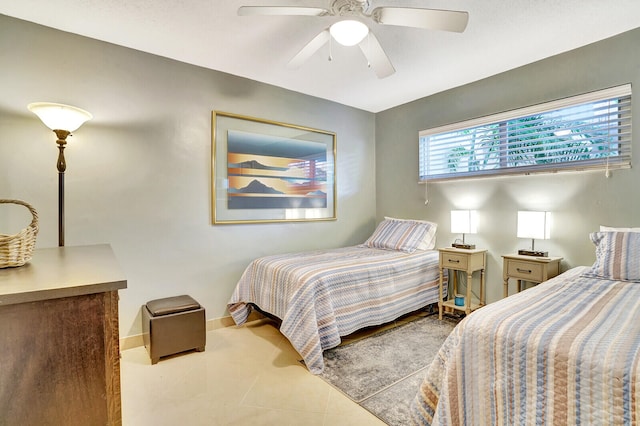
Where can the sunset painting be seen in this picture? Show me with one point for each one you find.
(270, 172)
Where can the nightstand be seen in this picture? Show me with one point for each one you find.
(469, 261)
(528, 268)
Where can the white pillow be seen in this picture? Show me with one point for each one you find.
(429, 240)
(614, 229)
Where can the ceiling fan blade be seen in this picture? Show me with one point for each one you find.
(311, 48)
(431, 19)
(378, 60)
(281, 10)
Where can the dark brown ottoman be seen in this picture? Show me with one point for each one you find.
(172, 325)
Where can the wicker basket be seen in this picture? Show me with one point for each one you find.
(15, 250)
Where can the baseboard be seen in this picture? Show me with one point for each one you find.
(130, 342)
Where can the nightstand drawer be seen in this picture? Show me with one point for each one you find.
(454, 261)
(525, 270)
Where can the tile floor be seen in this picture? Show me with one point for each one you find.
(247, 375)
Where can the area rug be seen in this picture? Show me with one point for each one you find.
(382, 372)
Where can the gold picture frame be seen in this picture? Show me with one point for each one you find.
(268, 171)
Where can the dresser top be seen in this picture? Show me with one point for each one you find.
(59, 272)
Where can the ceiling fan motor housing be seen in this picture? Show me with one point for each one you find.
(349, 7)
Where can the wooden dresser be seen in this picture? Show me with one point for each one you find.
(59, 342)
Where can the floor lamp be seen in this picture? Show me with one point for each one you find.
(62, 119)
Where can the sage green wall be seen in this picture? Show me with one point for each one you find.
(138, 174)
(580, 202)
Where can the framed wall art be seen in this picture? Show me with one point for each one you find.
(267, 171)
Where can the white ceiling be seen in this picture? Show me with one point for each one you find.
(501, 35)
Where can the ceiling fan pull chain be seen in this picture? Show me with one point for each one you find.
(330, 44)
(369, 49)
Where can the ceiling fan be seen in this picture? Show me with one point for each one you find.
(349, 31)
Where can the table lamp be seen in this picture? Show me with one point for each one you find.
(464, 222)
(534, 225)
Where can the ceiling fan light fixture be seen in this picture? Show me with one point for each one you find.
(349, 32)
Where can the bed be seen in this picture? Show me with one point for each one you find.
(564, 352)
(322, 295)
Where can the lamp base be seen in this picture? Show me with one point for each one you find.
(533, 253)
(464, 246)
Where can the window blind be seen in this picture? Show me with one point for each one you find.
(582, 132)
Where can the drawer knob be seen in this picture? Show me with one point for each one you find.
(523, 271)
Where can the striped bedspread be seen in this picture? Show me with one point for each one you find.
(322, 295)
(565, 352)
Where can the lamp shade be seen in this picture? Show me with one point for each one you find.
(464, 221)
(536, 225)
(348, 32)
(59, 116)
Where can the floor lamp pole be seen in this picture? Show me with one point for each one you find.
(62, 166)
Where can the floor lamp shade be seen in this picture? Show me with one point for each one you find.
(59, 116)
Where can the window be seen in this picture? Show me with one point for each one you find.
(578, 133)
